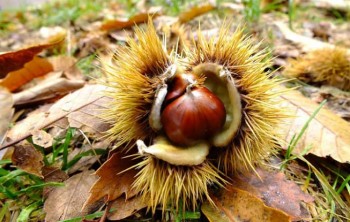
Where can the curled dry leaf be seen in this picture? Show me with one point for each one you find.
(66, 202)
(47, 90)
(327, 134)
(114, 180)
(27, 158)
(65, 106)
(21, 66)
(195, 11)
(233, 204)
(307, 44)
(32, 69)
(6, 111)
(125, 208)
(12, 61)
(123, 23)
(42, 138)
(274, 189)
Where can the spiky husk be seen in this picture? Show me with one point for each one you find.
(246, 64)
(162, 183)
(323, 66)
(132, 76)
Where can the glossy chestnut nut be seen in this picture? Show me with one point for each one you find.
(196, 115)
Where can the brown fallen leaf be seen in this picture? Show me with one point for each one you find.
(195, 11)
(113, 182)
(6, 111)
(47, 90)
(88, 118)
(123, 23)
(42, 138)
(307, 44)
(52, 174)
(274, 189)
(32, 69)
(66, 64)
(68, 104)
(235, 205)
(27, 158)
(327, 134)
(122, 208)
(66, 202)
(12, 61)
(341, 5)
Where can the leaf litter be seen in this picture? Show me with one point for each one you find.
(50, 80)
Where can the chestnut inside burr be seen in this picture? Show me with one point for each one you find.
(191, 113)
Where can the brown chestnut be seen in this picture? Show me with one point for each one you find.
(196, 115)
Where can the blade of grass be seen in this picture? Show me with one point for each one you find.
(3, 210)
(4, 162)
(344, 184)
(25, 213)
(324, 183)
(11, 175)
(66, 143)
(87, 217)
(8, 193)
(291, 13)
(86, 153)
(56, 184)
(3, 172)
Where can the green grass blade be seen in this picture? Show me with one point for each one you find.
(56, 184)
(10, 176)
(25, 213)
(66, 143)
(86, 153)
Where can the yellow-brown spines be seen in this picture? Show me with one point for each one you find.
(167, 185)
(245, 63)
(330, 66)
(133, 78)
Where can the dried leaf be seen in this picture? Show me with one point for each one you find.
(52, 174)
(42, 138)
(12, 61)
(65, 106)
(32, 69)
(306, 43)
(6, 112)
(27, 158)
(327, 134)
(276, 192)
(88, 118)
(341, 5)
(47, 90)
(66, 202)
(123, 23)
(194, 12)
(67, 64)
(237, 205)
(125, 208)
(113, 182)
